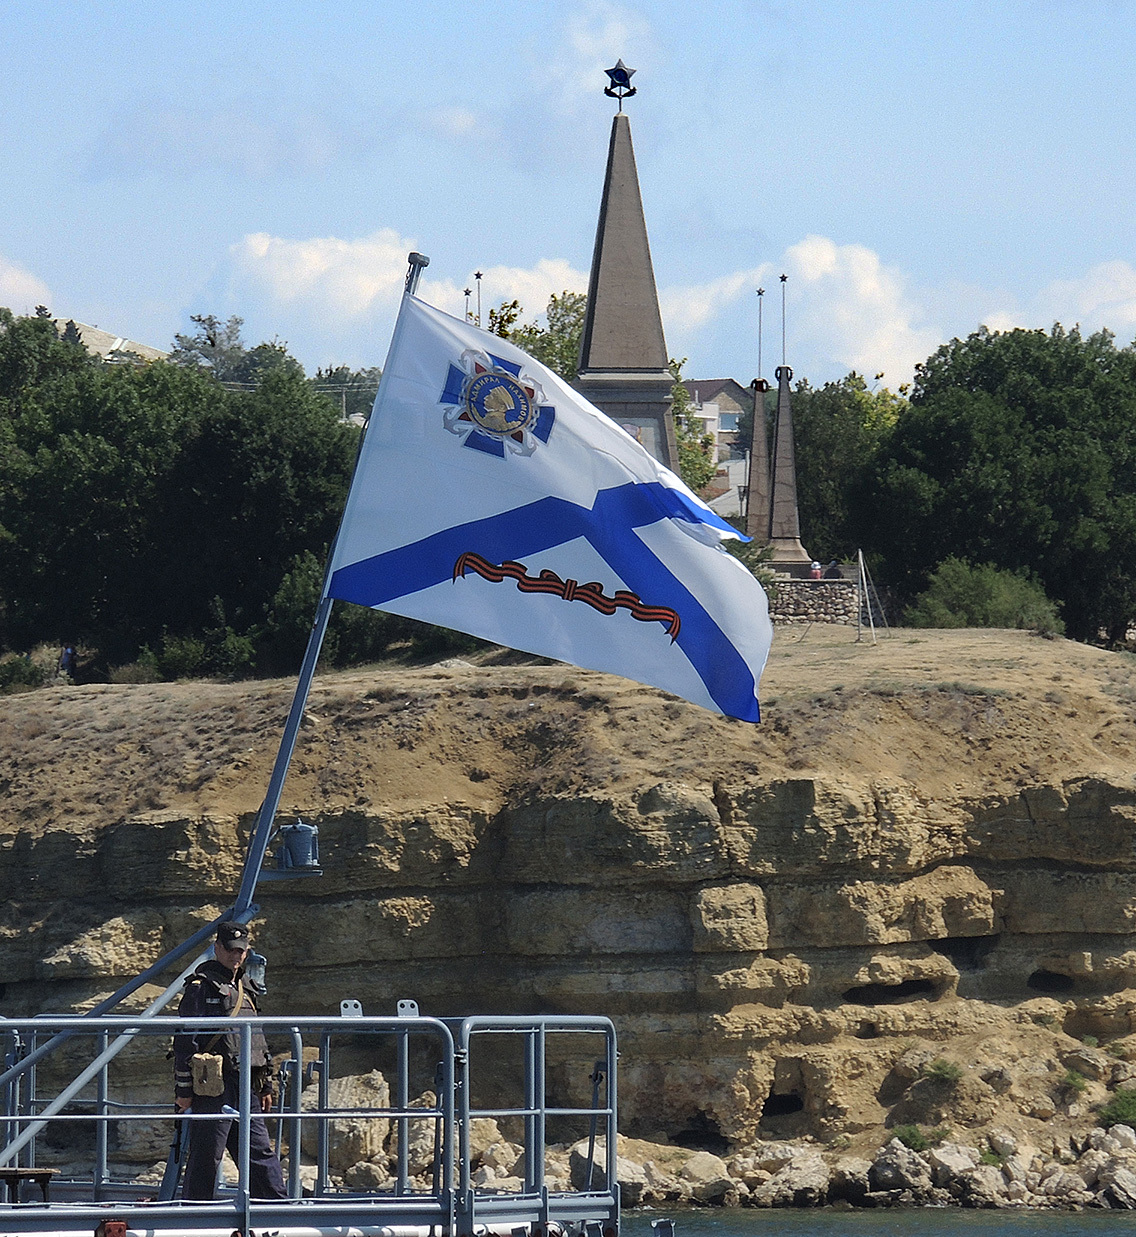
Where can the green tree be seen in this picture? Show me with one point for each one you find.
(140, 503)
(1019, 450)
(352, 391)
(216, 346)
(556, 344)
(837, 430)
(696, 465)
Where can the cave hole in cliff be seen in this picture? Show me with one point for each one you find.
(892, 994)
(783, 1105)
(968, 953)
(1050, 982)
(867, 1030)
(702, 1134)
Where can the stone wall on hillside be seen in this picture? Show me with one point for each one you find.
(774, 952)
(815, 601)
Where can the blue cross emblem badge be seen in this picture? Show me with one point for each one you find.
(494, 406)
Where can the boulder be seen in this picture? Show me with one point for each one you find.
(802, 1182)
(350, 1139)
(897, 1167)
(368, 1177)
(849, 1179)
(949, 1161)
(502, 1156)
(420, 1136)
(1002, 1141)
(483, 1132)
(982, 1186)
(703, 1166)
(1119, 1188)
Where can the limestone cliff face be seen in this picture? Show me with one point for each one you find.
(788, 923)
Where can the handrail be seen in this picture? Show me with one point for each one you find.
(444, 1200)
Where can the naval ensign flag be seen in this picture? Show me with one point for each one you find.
(492, 498)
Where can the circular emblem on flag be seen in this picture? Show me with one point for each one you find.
(496, 405)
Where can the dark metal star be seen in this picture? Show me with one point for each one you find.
(620, 86)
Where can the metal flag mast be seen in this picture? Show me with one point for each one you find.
(262, 834)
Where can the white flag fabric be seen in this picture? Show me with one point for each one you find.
(492, 498)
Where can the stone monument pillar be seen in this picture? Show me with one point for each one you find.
(623, 355)
(757, 491)
(784, 525)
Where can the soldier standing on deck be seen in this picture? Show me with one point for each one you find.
(218, 989)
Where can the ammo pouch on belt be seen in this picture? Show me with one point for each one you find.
(206, 1070)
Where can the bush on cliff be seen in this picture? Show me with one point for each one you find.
(1120, 1110)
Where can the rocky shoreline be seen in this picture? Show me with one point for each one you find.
(1006, 1173)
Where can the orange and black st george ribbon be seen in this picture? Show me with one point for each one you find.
(549, 582)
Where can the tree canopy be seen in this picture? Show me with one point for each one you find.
(141, 500)
(1019, 450)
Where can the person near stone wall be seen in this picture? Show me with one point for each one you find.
(218, 989)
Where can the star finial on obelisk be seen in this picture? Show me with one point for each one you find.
(620, 87)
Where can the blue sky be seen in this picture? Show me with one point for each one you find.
(916, 169)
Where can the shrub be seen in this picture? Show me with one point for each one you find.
(942, 1072)
(20, 674)
(1121, 1109)
(1073, 1081)
(915, 1138)
(990, 1157)
(182, 657)
(1090, 1041)
(911, 1136)
(143, 670)
(960, 594)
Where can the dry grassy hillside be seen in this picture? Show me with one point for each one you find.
(952, 711)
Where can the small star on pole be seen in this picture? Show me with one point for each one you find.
(619, 85)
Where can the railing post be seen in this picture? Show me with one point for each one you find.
(100, 1173)
(322, 1095)
(403, 1100)
(244, 1084)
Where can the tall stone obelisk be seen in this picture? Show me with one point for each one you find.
(623, 355)
(758, 510)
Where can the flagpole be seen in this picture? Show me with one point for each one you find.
(262, 834)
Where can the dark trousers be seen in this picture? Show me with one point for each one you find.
(208, 1140)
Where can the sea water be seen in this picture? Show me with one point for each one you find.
(893, 1222)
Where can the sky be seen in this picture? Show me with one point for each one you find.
(916, 170)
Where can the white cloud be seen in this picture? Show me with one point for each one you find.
(856, 308)
(689, 307)
(20, 290)
(458, 124)
(532, 286)
(1104, 296)
(847, 309)
(324, 275)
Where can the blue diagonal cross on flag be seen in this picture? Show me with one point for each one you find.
(556, 533)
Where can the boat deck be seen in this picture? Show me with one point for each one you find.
(417, 1135)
